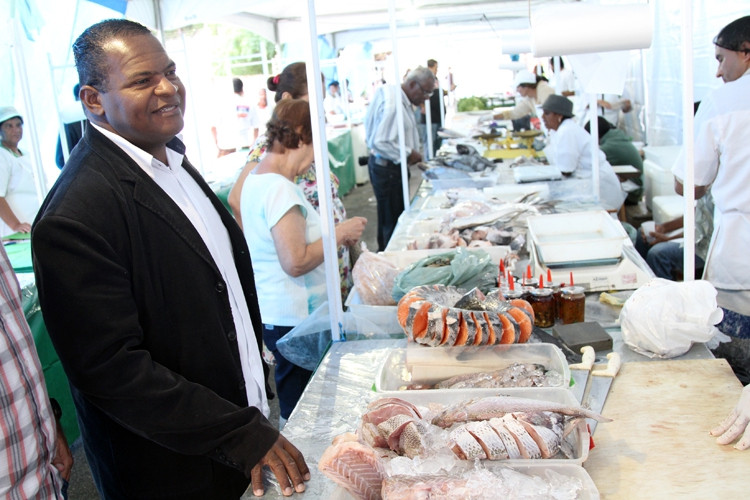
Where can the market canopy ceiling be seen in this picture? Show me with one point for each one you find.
(280, 20)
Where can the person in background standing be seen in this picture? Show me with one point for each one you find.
(435, 116)
(237, 127)
(146, 286)
(565, 81)
(722, 162)
(263, 110)
(19, 201)
(381, 130)
(37, 460)
(332, 103)
(534, 91)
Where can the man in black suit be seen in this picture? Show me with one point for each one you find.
(147, 291)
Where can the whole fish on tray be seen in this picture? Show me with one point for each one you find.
(515, 375)
(497, 406)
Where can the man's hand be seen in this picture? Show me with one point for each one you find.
(736, 424)
(63, 459)
(413, 158)
(287, 464)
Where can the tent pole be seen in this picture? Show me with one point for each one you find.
(688, 145)
(39, 177)
(594, 127)
(399, 108)
(323, 174)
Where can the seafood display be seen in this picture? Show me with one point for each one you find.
(379, 462)
(515, 375)
(474, 223)
(492, 428)
(439, 315)
(468, 368)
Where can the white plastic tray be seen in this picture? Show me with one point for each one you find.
(577, 236)
(588, 490)
(424, 365)
(580, 438)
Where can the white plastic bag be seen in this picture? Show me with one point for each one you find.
(664, 318)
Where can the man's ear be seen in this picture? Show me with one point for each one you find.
(91, 100)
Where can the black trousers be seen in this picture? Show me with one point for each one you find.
(385, 177)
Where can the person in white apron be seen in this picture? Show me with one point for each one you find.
(19, 202)
(722, 161)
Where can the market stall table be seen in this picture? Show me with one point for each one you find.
(657, 445)
(343, 383)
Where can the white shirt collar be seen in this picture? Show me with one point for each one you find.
(146, 160)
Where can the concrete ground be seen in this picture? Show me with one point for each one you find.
(359, 201)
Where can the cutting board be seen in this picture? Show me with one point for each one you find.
(657, 445)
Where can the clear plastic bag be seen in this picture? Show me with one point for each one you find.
(373, 276)
(664, 318)
(461, 267)
(306, 344)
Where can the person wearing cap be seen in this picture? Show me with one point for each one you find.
(19, 202)
(570, 150)
(722, 163)
(534, 91)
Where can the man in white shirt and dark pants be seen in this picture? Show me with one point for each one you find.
(381, 130)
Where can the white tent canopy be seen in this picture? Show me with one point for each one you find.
(356, 20)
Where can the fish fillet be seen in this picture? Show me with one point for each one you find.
(355, 468)
(488, 439)
(510, 443)
(526, 444)
(497, 406)
(464, 445)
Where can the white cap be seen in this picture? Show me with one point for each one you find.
(525, 76)
(8, 112)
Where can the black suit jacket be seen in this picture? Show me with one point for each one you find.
(140, 317)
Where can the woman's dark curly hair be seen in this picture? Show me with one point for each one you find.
(289, 124)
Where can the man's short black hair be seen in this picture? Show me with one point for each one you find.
(237, 85)
(88, 49)
(334, 83)
(735, 36)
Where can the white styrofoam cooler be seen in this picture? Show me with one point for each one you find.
(577, 236)
(666, 208)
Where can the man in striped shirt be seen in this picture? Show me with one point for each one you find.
(35, 458)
